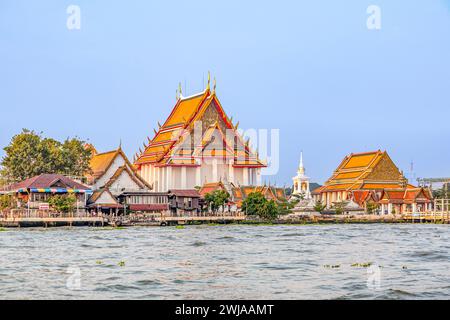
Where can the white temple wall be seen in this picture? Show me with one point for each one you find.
(118, 162)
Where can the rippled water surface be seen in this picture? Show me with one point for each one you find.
(227, 262)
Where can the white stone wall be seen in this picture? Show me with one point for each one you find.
(118, 162)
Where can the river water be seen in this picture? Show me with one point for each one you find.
(227, 262)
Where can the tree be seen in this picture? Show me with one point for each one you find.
(339, 207)
(6, 201)
(63, 203)
(269, 210)
(253, 203)
(319, 206)
(217, 199)
(29, 154)
(371, 207)
(257, 204)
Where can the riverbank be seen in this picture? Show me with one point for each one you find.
(222, 220)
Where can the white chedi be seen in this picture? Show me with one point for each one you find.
(301, 182)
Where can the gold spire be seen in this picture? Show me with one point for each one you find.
(180, 89)
(214, 85)
(209, 81)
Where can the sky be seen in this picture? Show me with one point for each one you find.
(312, 69)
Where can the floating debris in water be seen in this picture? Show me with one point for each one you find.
(332, 266)
(98, 262)
(404, 267)
(180, 227)
(362, 265)
(121, 264)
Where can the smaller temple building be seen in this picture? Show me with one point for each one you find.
(375, 183)
(114, 178)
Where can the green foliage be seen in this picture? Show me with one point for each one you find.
(285, 207)
(252, 204)
(6, 201)
(29, 154)
(371, 207)
(339, 207)
(257, 204)
(443, 193)
(63, 203)
(216, 199)
(319, 206)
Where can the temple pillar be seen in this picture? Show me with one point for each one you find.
(183, 178)
(169, 178)
(231, 172)
(258, 177)
(245, 172)
(198, 176)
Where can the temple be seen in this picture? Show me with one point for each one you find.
(198, 144)
(111, 176)
(372, 177)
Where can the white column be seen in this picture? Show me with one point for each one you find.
(245, 173)
(198, 176)
(258, 177)
(231, 172)
(183, 178)
(169, 178)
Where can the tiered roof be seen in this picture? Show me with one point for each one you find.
(408, 196)
(101, 162)
(174, 142)
(365, 171)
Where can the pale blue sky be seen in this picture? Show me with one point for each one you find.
(310, 68)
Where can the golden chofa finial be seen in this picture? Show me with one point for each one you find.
(214, 85)
(180, 90)
(209, 81)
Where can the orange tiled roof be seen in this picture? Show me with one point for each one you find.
(172, 146)
(375, 186)
(355, 172)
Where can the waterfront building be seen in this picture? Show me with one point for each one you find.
(184, 202)
(240, 193)
(198, 144)
(301, 182)
(35, 193)
(368, 177)
(393, 201)
(112, 174)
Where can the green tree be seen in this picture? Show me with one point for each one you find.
(63, 203)
(269, 210)
(217, 199)
(339, 207)
(371, 207)
(29, 154)
(6, 201)
(257, 204)
(319, 206)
